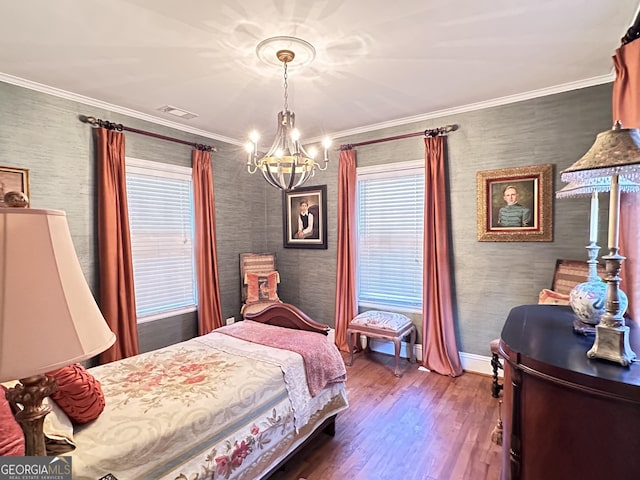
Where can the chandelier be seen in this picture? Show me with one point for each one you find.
(287, 165)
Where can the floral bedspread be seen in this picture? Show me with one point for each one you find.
(212, 407)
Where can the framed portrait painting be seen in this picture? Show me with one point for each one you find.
(515, 204)
(305, 217)
(13, 180)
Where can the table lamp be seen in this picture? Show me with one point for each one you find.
(48, 316)
(614, 153)
(587, 299)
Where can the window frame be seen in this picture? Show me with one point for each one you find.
(165, 170)
(384, 171)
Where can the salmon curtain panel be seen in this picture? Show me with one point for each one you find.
(209, 309)
(346, 303)
(117, 295)
(439, 349)
(626, 108)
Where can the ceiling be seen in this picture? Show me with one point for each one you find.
(377, 63)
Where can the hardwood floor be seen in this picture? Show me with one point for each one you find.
(422, 426)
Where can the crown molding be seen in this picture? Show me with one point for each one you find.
(565, 87)
(56, 92)
(543, 92)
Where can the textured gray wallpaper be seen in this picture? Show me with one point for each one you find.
(489, 277)
(43, 133)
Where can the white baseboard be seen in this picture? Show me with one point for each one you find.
(470, 361)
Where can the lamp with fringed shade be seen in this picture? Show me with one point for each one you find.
(587, 299)
(615, 153)
(48, 316)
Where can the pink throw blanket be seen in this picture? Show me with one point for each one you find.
(322, 360)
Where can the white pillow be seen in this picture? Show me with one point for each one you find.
(58, 430)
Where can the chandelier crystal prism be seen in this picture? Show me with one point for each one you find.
(286, 165)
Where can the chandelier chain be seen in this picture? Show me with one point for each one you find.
(286, 165)
(286, 94)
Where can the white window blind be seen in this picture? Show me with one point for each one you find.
(390, 235)
(160, 199)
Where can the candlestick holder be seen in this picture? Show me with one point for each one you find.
(612, 334)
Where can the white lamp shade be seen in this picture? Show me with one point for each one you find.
(48, 316)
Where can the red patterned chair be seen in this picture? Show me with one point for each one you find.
(259, 278)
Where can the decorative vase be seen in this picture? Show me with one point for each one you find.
(588, 301)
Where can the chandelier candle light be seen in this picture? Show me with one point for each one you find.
(287, 165)
(615, 153)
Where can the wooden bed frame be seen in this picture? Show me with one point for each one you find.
(288, 316)
(328, 427)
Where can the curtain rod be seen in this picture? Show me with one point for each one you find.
(430, 132)
(96, 122)
(633, 32)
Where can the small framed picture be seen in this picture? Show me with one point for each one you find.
(305, 217)
(13, 180)
(515, 204)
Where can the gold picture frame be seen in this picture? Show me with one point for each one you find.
(515, 204)
(13, 179)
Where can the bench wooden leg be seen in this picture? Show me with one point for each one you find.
(412, 353)
(412, 345)
(350, 336)
(396, 347)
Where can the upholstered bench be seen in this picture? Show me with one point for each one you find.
(384, 325)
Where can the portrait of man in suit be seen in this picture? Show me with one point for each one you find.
(305, 222)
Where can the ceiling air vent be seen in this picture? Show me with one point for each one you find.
(178, 112)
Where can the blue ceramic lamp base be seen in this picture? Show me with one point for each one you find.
(588, 301)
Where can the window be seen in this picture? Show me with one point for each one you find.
(160, 199)
(390, 234)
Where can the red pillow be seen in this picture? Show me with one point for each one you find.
(79, 394)
(11, 436)
(549, 297)
(262, 287)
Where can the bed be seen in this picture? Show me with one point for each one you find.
(234, 404)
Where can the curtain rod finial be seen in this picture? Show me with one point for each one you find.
(86, 119)
(440, 131)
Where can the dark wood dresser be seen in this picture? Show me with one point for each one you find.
(566, 416)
